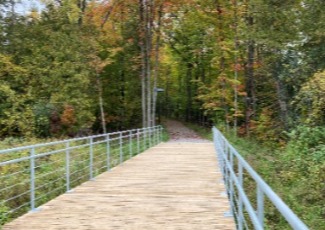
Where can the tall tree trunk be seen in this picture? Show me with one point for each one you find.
(122, 98)
(101, 105)
(189, 92)
(143, 64)
(222, 62)
(148, 38)
(82, 4)
(108, 13)
(281, 96)
(236, 66)
(250, 85)
(156, 70)
(249, 73)
(12, 13)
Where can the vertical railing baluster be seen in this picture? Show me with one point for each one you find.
(229, 169)
(32, 179)
(152, 136)
(154, 141)
(260, 205)
(91, 158)
(67, 165)
(149, 132)
(121, 147)
(108, 152)
(144, 139)
(130, 143)
(240, 200)
(138, 141)
(225, 159)
(160, 134)
(231, 182)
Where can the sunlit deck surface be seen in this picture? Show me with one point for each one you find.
(174, 185)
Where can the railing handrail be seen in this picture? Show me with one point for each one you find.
(225, 150)
(21, 148)
(37, 173)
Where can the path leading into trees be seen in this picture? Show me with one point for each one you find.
(180, 133)
(175, 185)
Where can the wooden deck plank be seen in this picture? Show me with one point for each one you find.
(170, 186)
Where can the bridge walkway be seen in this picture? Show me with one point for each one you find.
(175, 185)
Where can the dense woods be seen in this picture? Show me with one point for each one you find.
(253, 67)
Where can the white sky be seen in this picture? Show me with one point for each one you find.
(26, 5)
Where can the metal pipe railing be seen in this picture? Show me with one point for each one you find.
(32, 175)
(234, 181)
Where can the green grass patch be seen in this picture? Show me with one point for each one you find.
(295, 172)
(203, 132)
(50, 170)
(298, 181)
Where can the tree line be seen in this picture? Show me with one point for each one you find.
(80, 66)
(252, 67)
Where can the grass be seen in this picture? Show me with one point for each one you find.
(297, 181)
(203, 132)
(50, 171)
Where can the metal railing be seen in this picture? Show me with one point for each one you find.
(247, 214)
(33, 175)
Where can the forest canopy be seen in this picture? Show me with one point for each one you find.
(254, 68)
(82, 66)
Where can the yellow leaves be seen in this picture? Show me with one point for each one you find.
(9, 68)
(311, 100)
(73, 11)
(5, 90)
(34, 15)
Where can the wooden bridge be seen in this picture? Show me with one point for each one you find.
(175, 185)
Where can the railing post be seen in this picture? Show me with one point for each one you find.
(149, 132)
(260, 205)
(160, 134)
(91, 158)
(231, 182)
(152, 137)
(224, 161)
(130, 143)
(262, 189)
(138, 141)
(67, 165)
(228, 169)
(32, 179)
(121, 147)
(240, 200)
(108, 153)
(144, 138)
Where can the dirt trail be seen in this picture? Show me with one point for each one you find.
(179, 133)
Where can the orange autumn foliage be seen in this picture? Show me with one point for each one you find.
(68, 117)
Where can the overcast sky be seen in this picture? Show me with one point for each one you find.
(26, 5)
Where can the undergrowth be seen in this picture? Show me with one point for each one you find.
(295, 171)
(50, 171)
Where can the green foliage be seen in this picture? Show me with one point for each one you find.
(202, 131)
(309, 143)
(3, 215)
(50, 170)
(300, 173)
(310, 101)
(15, 110)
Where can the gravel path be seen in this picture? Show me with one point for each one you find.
(180, 133)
